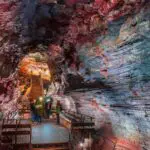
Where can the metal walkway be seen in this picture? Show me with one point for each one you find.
(46, 133)
(20, 134)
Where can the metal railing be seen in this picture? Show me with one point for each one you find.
(80, 116)
(13, 127)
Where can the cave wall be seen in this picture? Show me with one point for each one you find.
(23, 26)
(10, 53)
(120, 59)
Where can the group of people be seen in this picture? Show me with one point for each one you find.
(42, 107)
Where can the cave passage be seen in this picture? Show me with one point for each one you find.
(74, 75)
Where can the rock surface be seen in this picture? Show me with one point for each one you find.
(106, 42)
(121, 60)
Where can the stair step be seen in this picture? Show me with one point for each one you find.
(5, 144)
(15, 132)
(18, 125)
(52, 146)
(6, 141)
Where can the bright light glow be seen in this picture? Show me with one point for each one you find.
(48, 100)
(40, 98)
(81, 144)
(29, 65)
(67, 102)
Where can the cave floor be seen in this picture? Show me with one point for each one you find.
(45, 133)
(49, 132)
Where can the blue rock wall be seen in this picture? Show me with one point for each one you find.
(126, 47)
(126, 62)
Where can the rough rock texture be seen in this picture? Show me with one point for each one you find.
(104, 42)
(10, 52)
(121, 60)
(23, 26)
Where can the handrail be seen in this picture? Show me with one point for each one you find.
(17, 125)
(70, 140)
(11, 115)
(83, 116)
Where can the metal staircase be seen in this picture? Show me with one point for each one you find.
(36, 87)
(16, 134)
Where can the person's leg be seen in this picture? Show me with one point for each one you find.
(40, 118)
(47, 113)
(36, 117)
(58, 119)
(32, 116)
(50, 112)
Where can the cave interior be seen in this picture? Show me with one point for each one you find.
(91, 56)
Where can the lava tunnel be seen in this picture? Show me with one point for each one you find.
(74, 74)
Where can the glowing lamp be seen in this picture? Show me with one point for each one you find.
(40, 98)
(81, 144)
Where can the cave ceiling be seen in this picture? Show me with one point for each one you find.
(105, 37)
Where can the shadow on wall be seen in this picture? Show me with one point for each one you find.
(43, 22)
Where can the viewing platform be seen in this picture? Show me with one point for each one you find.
(20, 134)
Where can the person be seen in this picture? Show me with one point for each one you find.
(32, 107)
(48, 106)
(58, 110)
(33, 111)
(39, 108)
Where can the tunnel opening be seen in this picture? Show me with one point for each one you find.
(34, 75)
